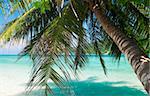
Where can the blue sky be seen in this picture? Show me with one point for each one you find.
(4, 19)
(8, 48)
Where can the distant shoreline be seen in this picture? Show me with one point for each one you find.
(61, 55)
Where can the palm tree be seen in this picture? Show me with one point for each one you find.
(52, 27)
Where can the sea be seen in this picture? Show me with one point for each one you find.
(120, 79)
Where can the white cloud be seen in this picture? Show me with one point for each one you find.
(12, 48)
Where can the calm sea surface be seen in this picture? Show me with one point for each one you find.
(120, 79)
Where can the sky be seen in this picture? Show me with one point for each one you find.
(9, 49)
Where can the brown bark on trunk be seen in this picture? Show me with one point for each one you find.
(127, 46)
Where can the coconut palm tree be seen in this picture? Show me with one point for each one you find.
(56, 27)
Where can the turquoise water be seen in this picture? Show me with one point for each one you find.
(120, 79)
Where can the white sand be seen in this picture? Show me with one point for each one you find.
(13, 79)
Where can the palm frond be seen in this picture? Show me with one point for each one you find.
(46, 49)
(17, 25)
(97, 39)
(52, 33)
(130, 20)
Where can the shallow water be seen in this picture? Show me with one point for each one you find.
(120, 79)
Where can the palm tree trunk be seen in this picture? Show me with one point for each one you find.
(127, 46)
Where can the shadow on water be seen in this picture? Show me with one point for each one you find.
(90, 88)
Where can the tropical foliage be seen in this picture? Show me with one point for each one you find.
(67, 30)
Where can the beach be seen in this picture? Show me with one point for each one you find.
(119, 81)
